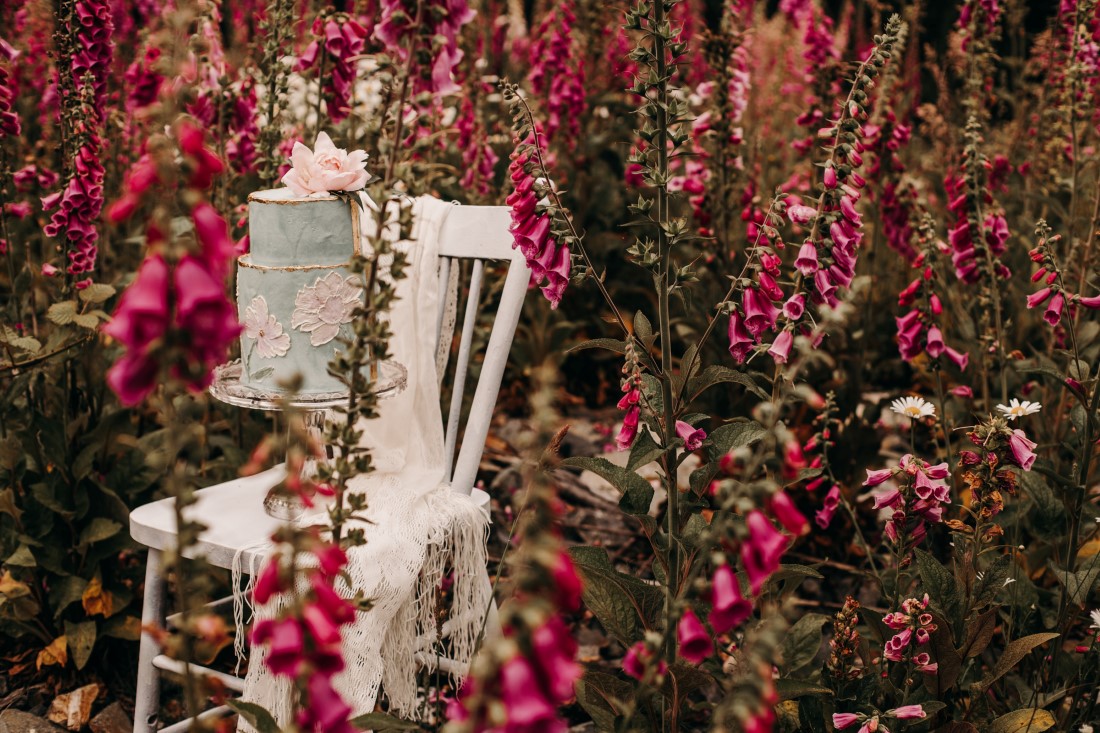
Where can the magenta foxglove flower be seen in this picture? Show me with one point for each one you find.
(284, 640)
(629, 429)
(787, 513)
(1022, 449)
(761, 550)
(906, 712)
(695, 643)
(527, 706)
(728, 607)
(741, 341)
(780, 350)
(567, 584)
(760, 313)
(636, 659)
(1053, 312)
(693, 437)
(142, 313)
(874, 478)
(268, 584)
(844, 720)
(824, 516)
(806, 263)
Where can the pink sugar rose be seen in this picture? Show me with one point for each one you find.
(325, 168)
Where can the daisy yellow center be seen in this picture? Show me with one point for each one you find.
(912, 411)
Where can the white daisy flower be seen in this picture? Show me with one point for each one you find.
(1095, 616)
(1015, 408)
(1086, 728)
(913, 407)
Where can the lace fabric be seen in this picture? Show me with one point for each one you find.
(419, 528)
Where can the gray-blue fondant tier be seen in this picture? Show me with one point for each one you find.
(295, 295)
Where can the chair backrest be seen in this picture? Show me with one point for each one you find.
(480, 234)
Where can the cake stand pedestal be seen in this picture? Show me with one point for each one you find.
(390, 378)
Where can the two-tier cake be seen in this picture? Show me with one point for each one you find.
(295, 295)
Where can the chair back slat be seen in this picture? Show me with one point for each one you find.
(480, 234)
(444, 280)
(462, 364)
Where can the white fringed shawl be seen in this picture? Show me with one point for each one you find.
(420, 527)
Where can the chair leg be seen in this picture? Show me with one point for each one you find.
(147, 697)
(492, 621)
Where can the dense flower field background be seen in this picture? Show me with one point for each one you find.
(820, 277)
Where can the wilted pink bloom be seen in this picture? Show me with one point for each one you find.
(692, 437)
(844, 720)
(695, 643)
(780, 350)
(728, 607)
(761, 550)
(1022, 449)
(871, 725)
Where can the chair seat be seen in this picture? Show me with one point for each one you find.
(233, 513)
(234, 516)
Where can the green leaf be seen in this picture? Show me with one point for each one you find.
(636, 492)
(625, 605)
(992, 580)
(602, 695)
(735, 435)
(979, 633)
(98, 530)
(256, 715)
(940, 584)
(96, 293)
(645, 450)
(122, 627)
(1012, 655)
(802, 642)
(62, 313)
(791, 689)
(380, 722)
(81, 639)
(22, 558)
(619, 347)
(1080, 584)
(86, 320)
(1028, 720)
(643, 330)
(718, 374)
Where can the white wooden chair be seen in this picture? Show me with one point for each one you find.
(233, 511)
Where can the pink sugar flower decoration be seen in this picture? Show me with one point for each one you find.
(325, 168)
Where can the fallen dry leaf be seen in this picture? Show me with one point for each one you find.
(96, 600)
(74, 709)
(56, 653)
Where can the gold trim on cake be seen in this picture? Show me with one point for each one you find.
(286, 268)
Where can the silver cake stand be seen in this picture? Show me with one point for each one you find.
(390, 380)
